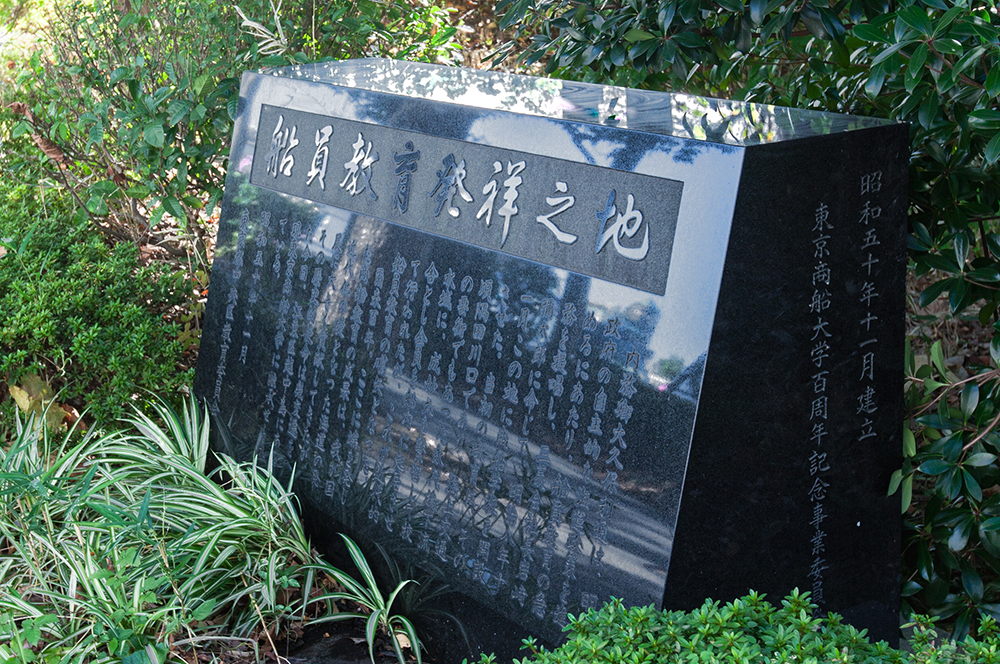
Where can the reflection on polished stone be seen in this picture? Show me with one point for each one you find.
(554, 342)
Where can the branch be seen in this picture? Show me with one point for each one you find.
(982, 435)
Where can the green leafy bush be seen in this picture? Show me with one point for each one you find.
(932, 63)
(305, 31)
(746, 631)
(83, 316)
(130, 107)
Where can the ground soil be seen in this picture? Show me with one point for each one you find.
(965, 341)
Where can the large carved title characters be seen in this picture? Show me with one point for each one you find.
(539, 208)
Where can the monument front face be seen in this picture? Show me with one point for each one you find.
(474, 312)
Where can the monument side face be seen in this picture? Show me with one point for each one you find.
(479, 335)
(810, 316)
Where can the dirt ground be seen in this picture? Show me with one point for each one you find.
(964, 340)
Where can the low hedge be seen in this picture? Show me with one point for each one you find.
(747, 631)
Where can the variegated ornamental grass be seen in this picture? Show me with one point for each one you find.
(118, 547)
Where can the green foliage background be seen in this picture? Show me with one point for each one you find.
(127, 108)
(130, 105)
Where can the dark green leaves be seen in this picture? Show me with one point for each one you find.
(871, 33)
(635, 34)
(968, 402)
(992, 151)
(915, 17)
(173, 206)
(993, 82)
(152, 133)
(935, 467)
(980, 459)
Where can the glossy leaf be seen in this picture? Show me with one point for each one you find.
(875, 82)
(948, 46)
(907, 493)
(889, 52)
(959, 537)
(958, 298)
(972, 488)
(980, 459)
(972, 583)
(935, 467)
(894, 481)
(993, 82)
(961, 246)
(915, 17)
(933, 291)
(636, 34)
(909, 442)
(992, 151)
(937, 357)
(868, 32)
(985, 274)
(969, 400)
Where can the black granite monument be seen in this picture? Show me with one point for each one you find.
(554, 342)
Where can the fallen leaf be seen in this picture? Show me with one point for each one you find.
(54, 416)
(73, 416)
(36, 387)
(117, 177)
(21, 398)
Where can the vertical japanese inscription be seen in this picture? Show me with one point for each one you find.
(868, 324)
(823, 357)
(448, 405)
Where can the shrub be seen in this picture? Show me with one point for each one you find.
(80, 315)
(746, 631)
(303, 31)
(129, 105)
(932, 63)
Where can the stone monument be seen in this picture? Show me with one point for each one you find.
(553, 342)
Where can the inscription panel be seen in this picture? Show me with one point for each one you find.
(596, 221)
(477, 411)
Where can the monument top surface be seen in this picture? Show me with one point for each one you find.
(669, 114)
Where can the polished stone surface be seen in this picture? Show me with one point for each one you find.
(551, 342)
